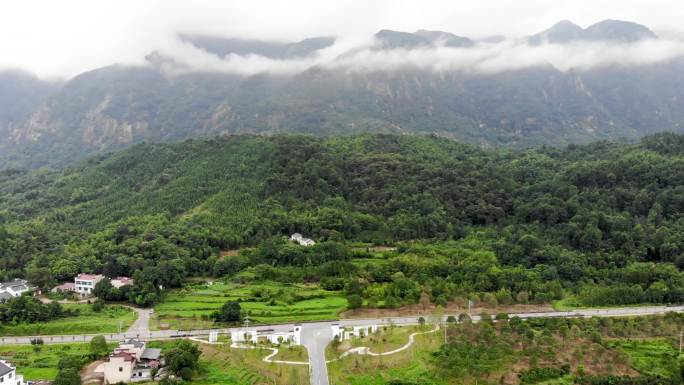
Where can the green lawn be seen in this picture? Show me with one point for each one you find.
(264, 302)
(41, 364)
(385, 339)
(87, 322)
(412, 365)
(292, 353)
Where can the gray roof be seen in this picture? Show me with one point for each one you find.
(4, 369)
(4, 296)
(151, 354)
(134, 342)
(16, 281)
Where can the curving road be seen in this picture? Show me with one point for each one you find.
(317, 335)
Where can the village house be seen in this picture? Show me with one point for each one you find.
(132, 361)
(14, 288)
(65, 287)
(8, 374)
(84, 284)
(301, 240)
(121, 281)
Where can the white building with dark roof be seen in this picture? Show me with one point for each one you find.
(8, 374)
(15, 288)
(131, 361)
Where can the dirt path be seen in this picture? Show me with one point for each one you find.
(451, 308)
(90, 375)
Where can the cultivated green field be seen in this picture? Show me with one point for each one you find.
(87, 322)
(264, 302)
(41, 364)
(649, 356)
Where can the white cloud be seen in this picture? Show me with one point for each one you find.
(359, 55)
(63, 38)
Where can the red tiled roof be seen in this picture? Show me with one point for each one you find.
(127, 356)
(65, 286)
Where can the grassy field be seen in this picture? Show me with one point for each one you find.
(292, 353)
(649, 356)
(417, 365)
(264, 302)
(410, 365)
(221, 365)
(40, 364)
(87, 322)
(385, 339)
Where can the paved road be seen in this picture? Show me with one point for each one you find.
(317, 335)
(142, 323)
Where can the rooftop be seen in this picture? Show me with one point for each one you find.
(151, 354)
(88, 277)
(127, 356)
(134, 342)
(16, 281)
(5, 368)
(4, 296)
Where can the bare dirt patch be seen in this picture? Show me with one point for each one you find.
(229, 253)
(90, 376)
(451, 308)
(376, 249)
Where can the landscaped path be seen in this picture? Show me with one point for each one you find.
(317, 335)
(268, 358)
(364, 350)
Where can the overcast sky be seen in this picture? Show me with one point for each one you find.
(62, 38)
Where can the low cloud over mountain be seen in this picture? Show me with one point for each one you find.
(564, 46)
(613, 80)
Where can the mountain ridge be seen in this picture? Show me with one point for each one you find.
(117, 106)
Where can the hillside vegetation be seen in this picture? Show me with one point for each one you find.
(602, 222)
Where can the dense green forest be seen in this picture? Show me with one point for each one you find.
(602, 221)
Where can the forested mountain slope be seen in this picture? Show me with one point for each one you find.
(390, 88)
(533, 220)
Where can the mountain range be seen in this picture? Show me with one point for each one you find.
(52, 123)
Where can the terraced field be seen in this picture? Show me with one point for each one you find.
(264, 302)
(222, 365)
